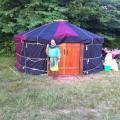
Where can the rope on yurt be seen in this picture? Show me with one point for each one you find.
(88, 59)
(36, 43)
(24, 55)
(94, 44)
(86, 71)
(93, 58)
(41, 59)
(28, 58)
(32, 43)
(35, 69)
(30, 67)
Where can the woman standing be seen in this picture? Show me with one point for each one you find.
(53, 53)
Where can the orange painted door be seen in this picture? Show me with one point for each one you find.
(72, 64)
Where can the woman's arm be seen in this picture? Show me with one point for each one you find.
(47, 49)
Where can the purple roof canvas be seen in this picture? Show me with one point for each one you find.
(61, 31)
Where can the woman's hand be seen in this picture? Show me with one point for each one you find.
(47, 45)
(47, 49)
(58, 59)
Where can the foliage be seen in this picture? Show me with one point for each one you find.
(100, 16)
(7, 48)
(95, 15)
(20, 15)
(83, 13)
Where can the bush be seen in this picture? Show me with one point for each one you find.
(7, 48)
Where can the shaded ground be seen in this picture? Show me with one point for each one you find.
(27, 97)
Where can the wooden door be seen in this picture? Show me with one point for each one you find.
(71, 62)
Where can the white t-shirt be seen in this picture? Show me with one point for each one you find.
(108, 59)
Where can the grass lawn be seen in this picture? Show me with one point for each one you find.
(27, 97)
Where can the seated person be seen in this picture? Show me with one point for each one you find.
(109, 61)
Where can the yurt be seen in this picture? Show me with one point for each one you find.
(81, 50)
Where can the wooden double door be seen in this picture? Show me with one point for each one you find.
(71, 61)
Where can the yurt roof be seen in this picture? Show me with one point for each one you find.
(61, 32)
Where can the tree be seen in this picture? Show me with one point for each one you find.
(100, 16)
(19, 15)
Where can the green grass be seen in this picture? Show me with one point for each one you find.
(27, 97)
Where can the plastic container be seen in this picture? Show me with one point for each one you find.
(107, 68)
